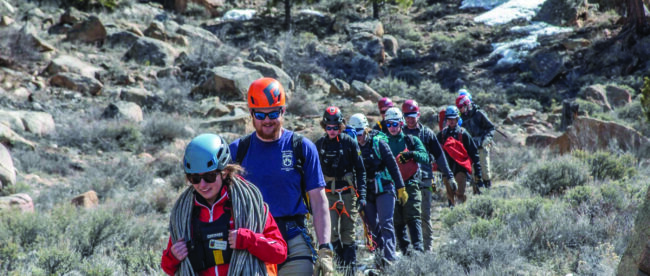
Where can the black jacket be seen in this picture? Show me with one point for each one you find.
(469, 145)
(434, 149)
(375, 165)
(477, 123)
(381, 126)
(345, 152)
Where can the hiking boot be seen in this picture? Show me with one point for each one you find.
(488, 183)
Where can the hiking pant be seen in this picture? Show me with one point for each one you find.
(461, 180)
(297, 247)
(484, 158)
(409, 214)
(427, 227)
(343, 216)
(379, 215)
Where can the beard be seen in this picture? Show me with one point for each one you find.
(268, 130)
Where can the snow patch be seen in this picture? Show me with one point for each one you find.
(486, 4)
(512, 52)
(509, 11)
(239, 14)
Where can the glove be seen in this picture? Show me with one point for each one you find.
(405, 156)
(451, 183)
(325, 263)
(402, 196)
(480, 183)
(361, 204)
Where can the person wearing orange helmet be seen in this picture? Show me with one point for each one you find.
(285, 167)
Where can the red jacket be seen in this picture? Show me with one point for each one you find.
(269, 246)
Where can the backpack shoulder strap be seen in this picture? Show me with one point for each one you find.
(242, 149)
(296, 143)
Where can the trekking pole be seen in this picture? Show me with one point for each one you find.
(367, 234)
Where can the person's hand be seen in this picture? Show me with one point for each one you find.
(179, 249)
(361, 204)
(451, 183)
(325, 263)
(232, 238)
(405, 156)
(402, 196)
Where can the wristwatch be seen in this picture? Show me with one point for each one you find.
(326, 245)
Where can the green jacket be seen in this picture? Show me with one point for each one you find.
(397, 144)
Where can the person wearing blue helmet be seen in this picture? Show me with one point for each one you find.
(461, 152)
(219, 212)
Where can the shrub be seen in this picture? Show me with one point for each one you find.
(162, 127)
(28, 161)
(589, 107)
(432, 94)
(57, 258)
(578, 195)
(303, 103)
(389, 87)
(522, 211)
(554, 176)
(528, 103)
(605, 164)
(482, 206)
(509, 162)
(456, 215)
(645, 97)
(483, 227)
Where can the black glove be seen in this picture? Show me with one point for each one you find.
(405, 156)
(480, 183)
(361, 204)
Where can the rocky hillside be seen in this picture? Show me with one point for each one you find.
(97, 104)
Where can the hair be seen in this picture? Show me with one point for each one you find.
(323, 124)
(231, 171)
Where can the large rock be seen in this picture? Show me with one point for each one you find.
(365, 91)
(390, 45)
(12, 119)
(7, 170)
(86, 200)
(139, 96)
(597, 94)
(90, 30)
(122, 38)
(8, 136)
(593, 134)
(540, 140)
(66, 63)
(22, 202)
(339, 87)
(236, 121)
(562, 12)
(148, 51)
(270, 70)
(636, 257)
(374, 27)
(157, 30)
(72, 16)
(617, 96)
(228, 82)
(123, 109)
(39, 123)
(261, 51)
(521, 116)
(6, 8)
(544, 66)
(76, 82)
(199, 35)
(369, 45)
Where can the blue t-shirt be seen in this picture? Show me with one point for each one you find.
(269, 165)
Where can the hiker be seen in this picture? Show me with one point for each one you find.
(345, 179)
(285, 167)
(411, 111)
(211, 218)
(477, 123)
(409, 152)
(384, 185)
(461, 153)
(383, 104)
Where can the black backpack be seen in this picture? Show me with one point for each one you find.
(296, 144)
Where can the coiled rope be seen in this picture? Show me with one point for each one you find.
(249, 211)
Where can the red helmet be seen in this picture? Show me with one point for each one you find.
(385, 103)
(463, 100)
(410, 106)
(265, 92)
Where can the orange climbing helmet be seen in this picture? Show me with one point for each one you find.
(266, 92)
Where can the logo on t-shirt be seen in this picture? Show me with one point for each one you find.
(287, 160)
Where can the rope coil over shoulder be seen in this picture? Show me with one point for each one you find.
(249, 211)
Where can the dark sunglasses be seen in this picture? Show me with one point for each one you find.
(393, 124)
(332, 128)
(209, 177)
(262, 115)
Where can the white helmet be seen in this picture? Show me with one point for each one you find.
(394, 114)
(358, 120)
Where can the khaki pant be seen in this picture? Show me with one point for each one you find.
(297, 247)
(427, 227)
(484, 158)
(343, 224)
(461, 180)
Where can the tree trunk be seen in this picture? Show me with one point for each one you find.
(636, 15)
(375, 9)
(287, 14)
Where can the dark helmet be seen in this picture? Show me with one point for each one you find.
(385, 102)
(332, 116)
(451, 112)
(410, 106)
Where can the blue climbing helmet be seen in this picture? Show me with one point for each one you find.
(206, 152)
(451, 112)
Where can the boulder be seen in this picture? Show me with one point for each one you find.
(139, 96)
(39, 123)
(12, 119)
(369, 45)
(270, 70)
(390, 45)
(211, 107)
(263, 52)
(236, 121)
(6, 20)
(122, 38)
(544, 66)
(76, 82)
(21, 202)
(617, 96)
(123, 109)
(521, 116)
(150, 51)
(593, 134)
(540, 140)
(66, 63)
(6, 8)
(72, 16)
(374, 27)
(91, 30)
(596, 94)
(562, 12)
(157, 30)
(8, 136)
(365, 91)
(7, 169)
(199, 35)
(339, 87)
(317, 86)
(86, 200)
(228, 82)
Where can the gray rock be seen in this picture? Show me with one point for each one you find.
(339, 87)
(7, 170)
(374, 27)
(123, 109)
(561, 12)
(593, 134)
(149, 51)
(369, 45)
(90, 30)
(65, 63)
(317, 86)
(618, 96)
(269, 55)
(227, 82)
(123, 38)
(270, 70)
(6, 8)
(6, 21)
(521, 116)
(199, 35)
(76, 82)
(139, 96)
(365, 91)
(596, 94)
(22, 202)
(544, 67)
(8, 136)
(233, 122)
(169, 72)
(72, 16)
(390, 45)
(39, 123)
(12, 119)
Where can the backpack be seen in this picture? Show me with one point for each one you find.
(456, 150)
(329, 164)
(296, 144)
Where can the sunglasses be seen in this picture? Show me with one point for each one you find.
(209, 177)
(332, 128)
(359, 131)
(393, 124)
(262, 115)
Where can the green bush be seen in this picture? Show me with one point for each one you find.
(452, 217)
(482, 206)
(29, 161)
(432, 94)
(482, 228)
(578, 195)
(605, 164)
(57, 258)
(553, 176)
(528, 103)
(522, 211)
(389, 87)
(509, 162)
(589, 107)
(162, 127)
(645, 97)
